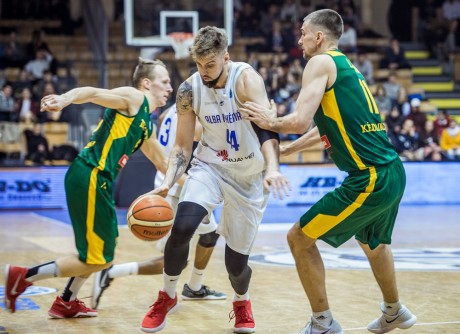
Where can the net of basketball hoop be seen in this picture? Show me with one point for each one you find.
(181, 42)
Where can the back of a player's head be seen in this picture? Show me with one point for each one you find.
(327, 20)
(209, 41)
(145, 69)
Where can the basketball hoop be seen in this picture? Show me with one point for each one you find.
(181, 42)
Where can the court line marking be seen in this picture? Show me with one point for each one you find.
(417, 324)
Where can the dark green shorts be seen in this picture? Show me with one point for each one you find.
(364, 206)
(92, 212)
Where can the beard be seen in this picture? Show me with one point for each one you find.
(213, 83)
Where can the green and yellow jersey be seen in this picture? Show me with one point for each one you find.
(349, 122)
(115, 138)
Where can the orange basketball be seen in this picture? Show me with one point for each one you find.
(150, 217)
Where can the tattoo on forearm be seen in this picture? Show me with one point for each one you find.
(180, 164)
(184, 99)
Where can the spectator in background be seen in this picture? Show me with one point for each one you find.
(267, 18)
(277, 40)
(47, 78)
(248, 21)
(22, 82)
(382, 101)
(394, 58)
(37, 42)
(450, 141)
(402, 101)
(348, 40)
(394, 121)
(14, 52)
(348, 14)
(41, 63)
(7, 103)
(441, 122)
(364, 65)
(288, 12)
(37, 145)
(27, 110)
(451, 10)
(392, 87)
(429, 148)
(416, 115)
(405, 142)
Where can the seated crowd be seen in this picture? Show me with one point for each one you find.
(414, 136)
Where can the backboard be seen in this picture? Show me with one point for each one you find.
(148, 23)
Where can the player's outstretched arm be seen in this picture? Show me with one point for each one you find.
(307, 140)
(122, 98)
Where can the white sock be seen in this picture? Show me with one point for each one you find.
(43, 271)
(196, 279)
(240, 298)
(125, 269)
(170, 284)
(73, 286)
(324, 318)
(391, 308)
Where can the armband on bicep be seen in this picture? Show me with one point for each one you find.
(264, 135)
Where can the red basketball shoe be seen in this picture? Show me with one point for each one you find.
(15, 284)
(72, 309)
(244, 320)
(155, 320)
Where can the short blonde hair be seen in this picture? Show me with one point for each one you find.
(145, 69)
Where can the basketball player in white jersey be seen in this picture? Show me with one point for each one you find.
(194, 289)
(236, 163)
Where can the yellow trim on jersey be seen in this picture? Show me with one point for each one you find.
(95, 250)
(321, 224)
(334, 53)
(119, 129)
(331, 110)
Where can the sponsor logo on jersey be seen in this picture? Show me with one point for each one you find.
(123, 160)
(326, 142)
(223, 155)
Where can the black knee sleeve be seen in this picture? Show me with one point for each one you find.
(238, 270)
(208, 240)
(188, 216)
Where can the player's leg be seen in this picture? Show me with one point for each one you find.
(188, 217)
(78, 268)
(200, 195)
(194, 289)
(394, 314)
(375, 241)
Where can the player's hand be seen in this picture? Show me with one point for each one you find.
(258, 114)
(54, 102)
(278, 183)
(161, 190)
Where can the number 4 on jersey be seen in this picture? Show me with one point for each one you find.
(231, 139)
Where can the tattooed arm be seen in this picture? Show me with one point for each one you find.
(182, 151)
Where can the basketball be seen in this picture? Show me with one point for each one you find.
(150, 217)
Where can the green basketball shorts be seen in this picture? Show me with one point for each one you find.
(365, 206)
(92, 212)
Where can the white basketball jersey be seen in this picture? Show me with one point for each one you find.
(167, 137)
(227, 140)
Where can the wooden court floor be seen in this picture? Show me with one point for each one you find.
(279, 303)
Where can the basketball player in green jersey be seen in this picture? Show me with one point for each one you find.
(125, 127)
(335, 95)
